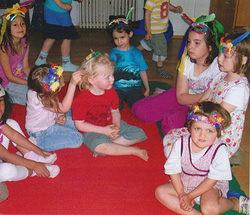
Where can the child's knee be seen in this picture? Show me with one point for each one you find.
(8, 171)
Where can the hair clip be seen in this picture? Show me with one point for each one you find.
(226, 46)
(51, 82)
(92, 55)
(197, 115)
(121, 21)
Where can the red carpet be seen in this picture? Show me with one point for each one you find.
(88, 185)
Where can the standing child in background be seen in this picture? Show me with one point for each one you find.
(130, 66)
(96, 114)
(15, 167)
(45, 119)
(14, 53)
(197, 69)
(199, 166)
(230, 88)
(156, 24)
(58, 26)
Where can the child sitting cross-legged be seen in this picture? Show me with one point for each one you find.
(96, 114)
(199, 166)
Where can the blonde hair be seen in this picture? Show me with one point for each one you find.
(89, 68)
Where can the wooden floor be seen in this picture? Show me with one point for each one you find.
(100, 40)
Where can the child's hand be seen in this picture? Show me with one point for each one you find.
(146, 92)
(76, 77)
(61, 119)
(41, 170)
(148, 36)
(67, 7)
(178, 9)
(115, 134)
(45, 153)
(186, 202)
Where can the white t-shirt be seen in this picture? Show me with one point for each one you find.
(199, 84)
(219, 169)
(37, 117)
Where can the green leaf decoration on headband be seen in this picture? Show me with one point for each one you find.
(208, 18)
(129, 13)
(92, 55)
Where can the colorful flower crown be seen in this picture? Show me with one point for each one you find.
(51, 82)
(92, 55)
(227, 45)
(121, 21)
(197, 115)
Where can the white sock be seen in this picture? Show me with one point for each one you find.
(12, 172)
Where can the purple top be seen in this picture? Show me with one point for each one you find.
(16, 62)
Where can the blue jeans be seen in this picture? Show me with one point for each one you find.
(59, 136)
(17, 93)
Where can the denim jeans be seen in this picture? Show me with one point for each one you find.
(59, 136)
(17, 93)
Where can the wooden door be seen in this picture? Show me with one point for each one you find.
(225, 11)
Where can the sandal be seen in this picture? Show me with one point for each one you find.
(243, 201)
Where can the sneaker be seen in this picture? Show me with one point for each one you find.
(36, 157)
(69, 67)
(244, 205)
(160, 71)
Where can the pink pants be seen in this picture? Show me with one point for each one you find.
(164, 107)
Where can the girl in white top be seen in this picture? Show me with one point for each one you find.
(198, 68)
(45, 119)
(230, 88)
(199, 166)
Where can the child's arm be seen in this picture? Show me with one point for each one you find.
(116, 117)
(26, 67)
(148, 35)
(20, 140)
(62, 5)
(5, 63)
(206, 95)
(39, 168)
(144, 78)
(177, 9)
(182, 92)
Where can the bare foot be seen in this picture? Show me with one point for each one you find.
(236, 203)
(141, 153)
(95, 155)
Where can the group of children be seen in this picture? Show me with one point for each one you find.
(212, 92)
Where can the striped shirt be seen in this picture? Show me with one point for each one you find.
(159, 15)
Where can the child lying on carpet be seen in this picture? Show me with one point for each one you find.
(95, 111)
(199, 166)
(15, 167)
(45, 120)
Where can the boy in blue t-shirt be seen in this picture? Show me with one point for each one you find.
(130, 69)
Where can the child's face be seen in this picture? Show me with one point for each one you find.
(104, 79)
(203, 135)
(2, 106)
(18, 28)
(226, 62)
(122, 40)
(197, 47)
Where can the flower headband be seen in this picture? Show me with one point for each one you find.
(121, 21)
(200, 26)
(11, 14)
(51, 82)
(92, 55)
(226, 46)
(196, 115)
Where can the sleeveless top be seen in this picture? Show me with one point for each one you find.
(193, 174)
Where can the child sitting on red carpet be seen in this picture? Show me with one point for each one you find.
(199, 166)
(95, 111)
(15, 167)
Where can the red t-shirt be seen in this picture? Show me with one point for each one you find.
(95, 109)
